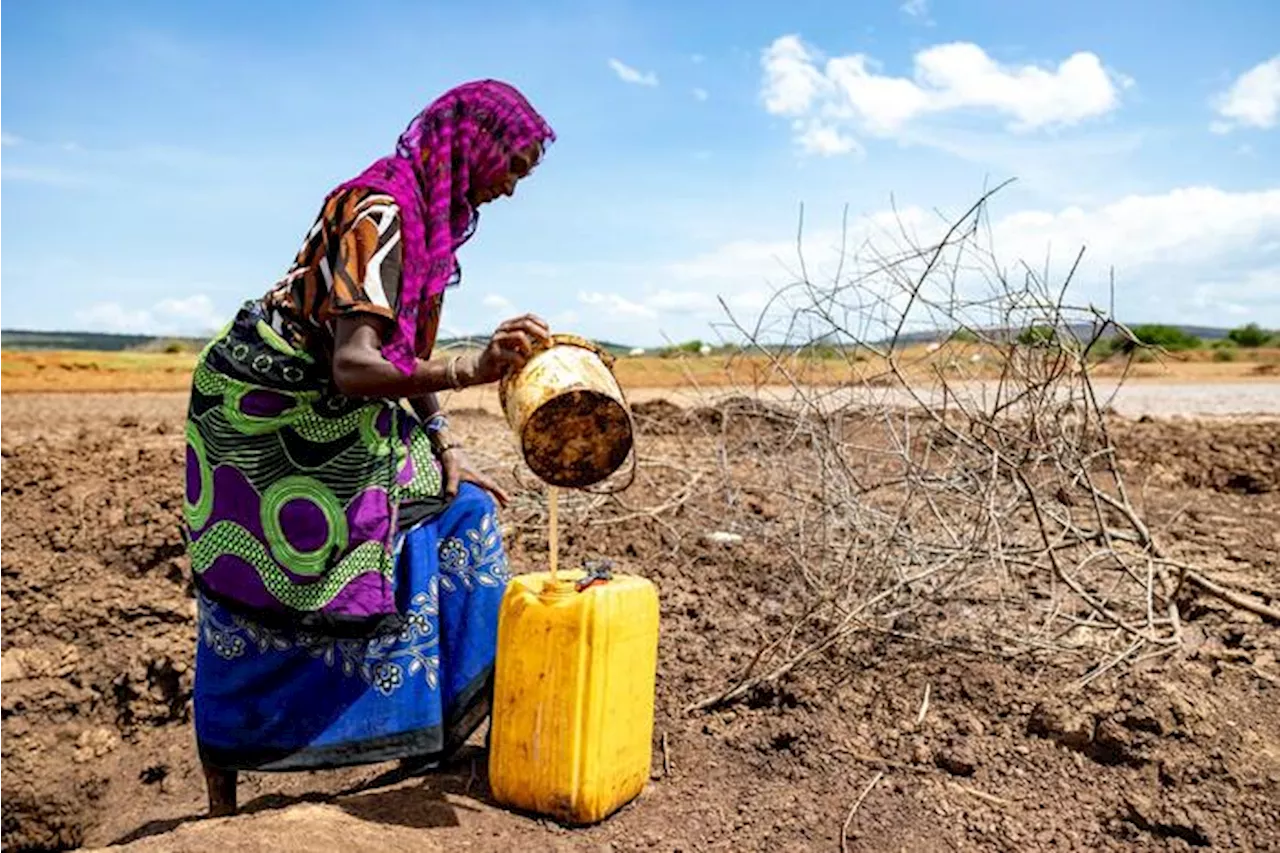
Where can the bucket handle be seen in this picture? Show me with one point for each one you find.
(565, 339)
(631, 474)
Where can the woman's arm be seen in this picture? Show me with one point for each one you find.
(359, 370)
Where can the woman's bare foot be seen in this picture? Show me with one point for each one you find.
(222, 791)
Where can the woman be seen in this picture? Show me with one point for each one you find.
(346, 555)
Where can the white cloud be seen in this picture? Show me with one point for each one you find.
(8, 139)
(1253, 100)
(701, 94)
(497, 302)
(112, 317)
(825, 140)
(194, 314)
(615, 304)
(918, 9)
(739, 262)
(833, 98)
(792, 82)
(564, 318)
(1241, 296)
(1193, 254)
(682, 301)
(196, 311)
(1186, 225)
(627, 74)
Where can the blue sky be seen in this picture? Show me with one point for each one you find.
(161, 161)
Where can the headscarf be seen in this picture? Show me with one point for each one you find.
(464, 139)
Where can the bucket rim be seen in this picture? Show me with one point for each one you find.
(556, 339)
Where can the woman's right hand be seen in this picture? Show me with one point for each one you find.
(510, 347)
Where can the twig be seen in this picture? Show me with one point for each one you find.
(924, 707)
(666, 757)
(844, 829)
(836, 633)
(1107, 666)
(974, 482)
(991, 799)
(1244, 602)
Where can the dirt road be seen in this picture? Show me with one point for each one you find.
(1133, 399)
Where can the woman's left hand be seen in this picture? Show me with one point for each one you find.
(458, 470)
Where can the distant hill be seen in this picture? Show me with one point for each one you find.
(21, 339)
(478, 341)
(1081, 330)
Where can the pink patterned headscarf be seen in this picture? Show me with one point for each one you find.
(464, 139)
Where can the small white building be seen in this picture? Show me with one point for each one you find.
(637, 351)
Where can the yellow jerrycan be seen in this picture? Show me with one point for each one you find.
(568, 413)
(572, 734)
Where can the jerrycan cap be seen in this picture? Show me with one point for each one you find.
(597, 572)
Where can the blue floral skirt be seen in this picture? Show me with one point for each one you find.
(267, 699)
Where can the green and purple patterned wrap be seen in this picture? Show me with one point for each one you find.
(294, 492)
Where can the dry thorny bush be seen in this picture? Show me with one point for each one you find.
(970, 496)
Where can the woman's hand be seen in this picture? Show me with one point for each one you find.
(458, 470)
(510, 347)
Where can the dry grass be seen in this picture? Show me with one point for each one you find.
(94, 371)
(27, 372)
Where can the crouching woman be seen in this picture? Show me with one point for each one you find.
(346, 555)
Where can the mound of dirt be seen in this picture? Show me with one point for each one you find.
(1241, 457)
(99, 639)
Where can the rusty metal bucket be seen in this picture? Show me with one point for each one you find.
(568, 413)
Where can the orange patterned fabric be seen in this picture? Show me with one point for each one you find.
(350, 263)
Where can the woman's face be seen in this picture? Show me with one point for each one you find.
(522, 163)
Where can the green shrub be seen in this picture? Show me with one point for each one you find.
(964, 336)
(1106, 347)
(1225, 354)
(821, 352)
(1169, 338)
(1250, 335)
(1038, 336)
(693, 347)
